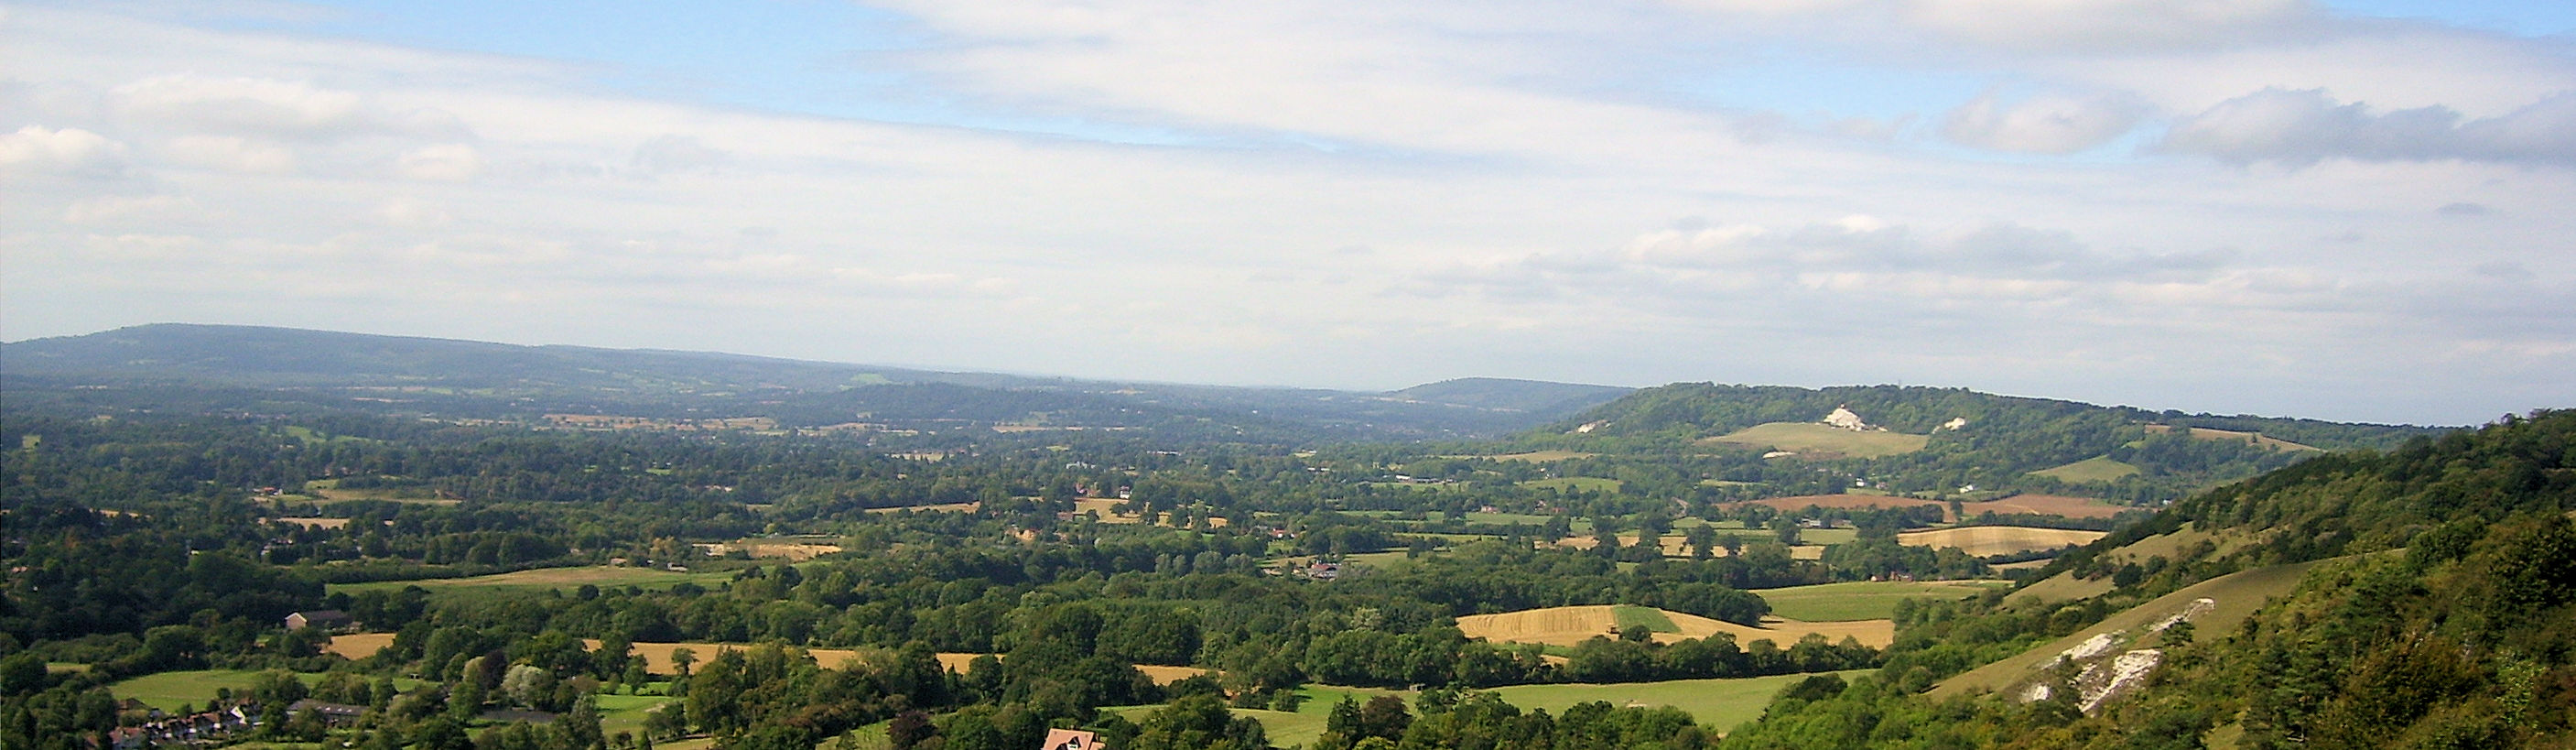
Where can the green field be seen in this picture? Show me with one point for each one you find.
(625, 713)
(1586, 484)
(552, 578)
(1625, 616)
(1723, 704)
(1810, 437)
(1861, 600)
(2095, 469)
(1809, 536)
(167, 690)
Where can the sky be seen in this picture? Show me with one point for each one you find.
(2340, 210)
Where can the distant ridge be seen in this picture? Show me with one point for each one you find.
(180, 367)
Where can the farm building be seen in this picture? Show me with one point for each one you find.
(326, 619)
(1070, 739)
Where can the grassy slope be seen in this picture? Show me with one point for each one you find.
(1806, 437)
(2237, 595)
(551, 578)
(2095, 469)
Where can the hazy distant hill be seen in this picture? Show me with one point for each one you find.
(1505, 394)
(183, 367)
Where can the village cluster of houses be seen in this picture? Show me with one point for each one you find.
(216, 723)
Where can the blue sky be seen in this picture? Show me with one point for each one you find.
(2348, 210)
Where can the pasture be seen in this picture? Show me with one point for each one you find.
(1539, 457)
(1863, 600)
(1724, 704)
(1818, 440)
(168, 691)
(1997, 540)
(2095, 469)
(1801, 502)
(551, 578)
(968, 507)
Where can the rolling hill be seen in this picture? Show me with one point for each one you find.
(2424, 596)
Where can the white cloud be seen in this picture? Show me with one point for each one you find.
(2050, 124)
(2300, 128)
(2110, 25)
(232, 153)
(675, 153)
(1490, 168)
(241, 104)
(120, 208)
(408, 211)
(38, 148)
(445, 162)
(269, 107)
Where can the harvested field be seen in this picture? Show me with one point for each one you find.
(315, 523)
(358, 646)
(1810, 439)
(1568, 626)
(1165, 675)
(657, 656)
(2047, 505)
(1997, 540)
(1160, 674)
(1107, 508)
(1801, 502)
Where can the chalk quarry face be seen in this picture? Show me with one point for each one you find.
(2105, 668)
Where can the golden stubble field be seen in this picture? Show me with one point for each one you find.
(1997, 540)
(1569, 626)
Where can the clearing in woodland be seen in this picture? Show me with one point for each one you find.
(1814, 440)
(551, 578)
(1864, 600)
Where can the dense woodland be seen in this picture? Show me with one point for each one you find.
(145, 535)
